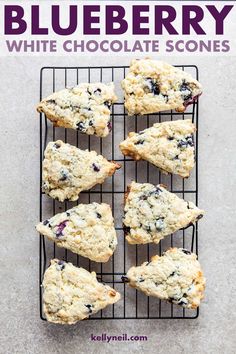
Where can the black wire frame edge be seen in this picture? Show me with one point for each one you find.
(42, 249)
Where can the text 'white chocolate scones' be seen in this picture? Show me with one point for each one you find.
(68, 170)
(85, 108)
(153, 86)
(167, 145)
(87, 229)
(176, 277)
(151, 213)
(72, 294)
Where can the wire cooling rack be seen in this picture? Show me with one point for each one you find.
(133, 304)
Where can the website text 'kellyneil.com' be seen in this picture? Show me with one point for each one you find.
(118, 338)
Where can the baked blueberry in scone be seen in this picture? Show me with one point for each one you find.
(167, 145)
(72, 294)
(85, 108)
(86, 229)
(68, 170)
(176, 276)
(153, 86)
(151, 213)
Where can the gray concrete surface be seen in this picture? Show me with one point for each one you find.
(21, 329)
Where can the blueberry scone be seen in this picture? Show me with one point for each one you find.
(153, 86)
(72, 294)
(167, 145)
(68, 170)
(176, 277)
(87, 229)
(85, 108)
(151, 213)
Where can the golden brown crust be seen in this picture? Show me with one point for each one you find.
(127, 193)
(116, 166)
(134, 155)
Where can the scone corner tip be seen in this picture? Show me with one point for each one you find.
(117, 165)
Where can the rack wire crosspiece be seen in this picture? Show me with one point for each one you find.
(133, 305)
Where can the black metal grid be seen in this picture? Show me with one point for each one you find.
(134, 304)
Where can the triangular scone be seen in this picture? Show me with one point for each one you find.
(153, 86)
(176, 277)
(87, 229)
(167, 145)
(72, 294)
(151, 213)
(68, 170)
(85, 108)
